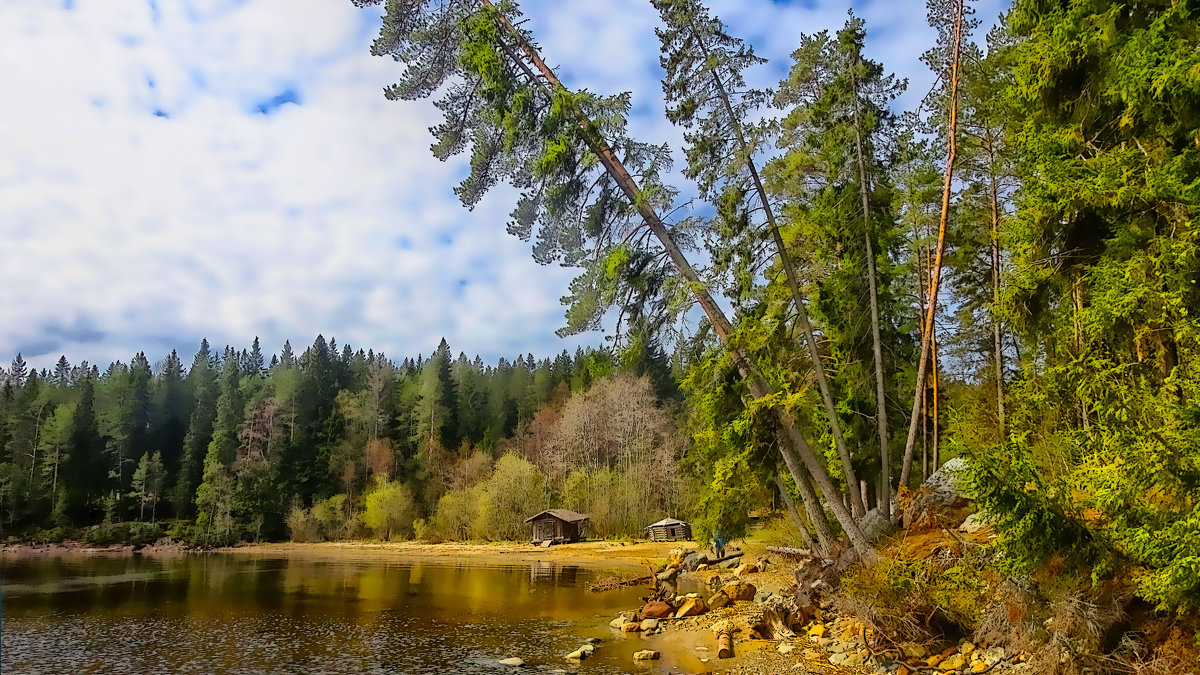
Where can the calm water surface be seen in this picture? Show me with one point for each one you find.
(208, 613)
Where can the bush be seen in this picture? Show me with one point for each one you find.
(137, 534)
(389, 510)
(896, 594)
(301, 525)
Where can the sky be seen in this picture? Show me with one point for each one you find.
(179, 169)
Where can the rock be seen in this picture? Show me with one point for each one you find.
(718, 600)
(817, 630)
(739, 590)
(874, 525)
(577, 655)
(966, 648)
(979, 667)
(913, 650)
(722, 626)
(588, 648)
(952, 663)
(668, 574)
(645, 655)
(856, 659)
(975, 522)
(693, 607)
(786, 648)
(992, 656)
(649, 624)
(656, 609)
(515, 662)
(694, 561)
(631, 627)
(949, 481)
(617, 622)
(689, 596)
(745, 568)
(592, 640)
(903, 670)
(837, 659)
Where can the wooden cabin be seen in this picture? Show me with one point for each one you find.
(556, 526)
(669, 529)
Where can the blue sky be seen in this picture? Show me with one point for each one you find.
(178, 169)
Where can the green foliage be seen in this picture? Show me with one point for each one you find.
(389, 510)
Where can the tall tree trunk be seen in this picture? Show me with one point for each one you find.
(997, 339)
(756, 382)
(812, 504)
(799, 520)
(936, 399)
(885, 458)
(943, 222)
(856, 504)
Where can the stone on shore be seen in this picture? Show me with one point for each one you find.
(649, 624)
(631, 627)
(718, 600)
(645, 655)
(739, 590)
(656, 609)
(512, 662)
(693, 607)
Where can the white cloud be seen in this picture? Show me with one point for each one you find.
(145, 203)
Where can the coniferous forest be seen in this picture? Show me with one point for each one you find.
(836, 298)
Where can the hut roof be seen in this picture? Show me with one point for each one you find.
(666, 522)
(565, 515)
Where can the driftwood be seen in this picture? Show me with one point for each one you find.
(791, 551)
(731, 556)
(613, 583)
(724, 646)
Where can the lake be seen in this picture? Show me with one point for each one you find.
(205, 613)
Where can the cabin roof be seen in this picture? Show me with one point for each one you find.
(565, 515)
(666, 522)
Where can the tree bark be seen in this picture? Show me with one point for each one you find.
(756, 382)
(801, 523)
(943, 222)
(997, 339)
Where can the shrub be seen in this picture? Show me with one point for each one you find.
(389, 510)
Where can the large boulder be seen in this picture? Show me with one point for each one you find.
(668, 574)
(656, 609)
(942, 500)
(718, 600)
(949, 483)
(693, 607)
(874, 525)
(739, 590)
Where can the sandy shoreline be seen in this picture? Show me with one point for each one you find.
(585, 553)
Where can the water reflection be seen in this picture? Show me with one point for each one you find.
(221, 613)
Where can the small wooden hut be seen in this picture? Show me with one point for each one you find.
(557, 526)
(670, 529)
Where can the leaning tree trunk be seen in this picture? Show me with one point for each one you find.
(756, 382)
(785, 259)
(799, 520)
(943, 222)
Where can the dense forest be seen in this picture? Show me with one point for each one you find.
(333, 443)
(841, 297)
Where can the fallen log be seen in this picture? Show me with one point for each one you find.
(790, 550)
(724, 646)
(613, 583)
(731, 556)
